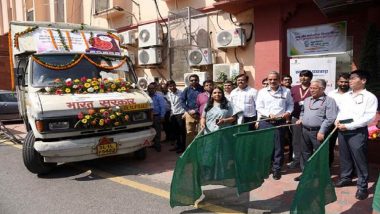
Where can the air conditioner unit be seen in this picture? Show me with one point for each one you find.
(202, 77)
(230, 71)
(149, 56)
(142, 82)
(128, 37)
(200, 56)
(230, 38)
(150, 35)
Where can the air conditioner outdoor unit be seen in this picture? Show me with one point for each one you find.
(150, 35)
(230, 38)
(149, 56)
(128, 37)
(229, 71)
(202, 77)
(200, 56)
(142, 82)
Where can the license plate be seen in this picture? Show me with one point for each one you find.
(106, 146)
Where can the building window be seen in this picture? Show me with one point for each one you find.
(59, 10)
(30, 15)
(101, 5)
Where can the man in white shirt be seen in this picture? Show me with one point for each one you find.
(228, 86)
(244, 97)
(276, 103)
(177, 111)
(337, 95)
(357, 110)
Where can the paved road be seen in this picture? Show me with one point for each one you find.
(119, 184)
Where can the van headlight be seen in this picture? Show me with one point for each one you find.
(139, 116)
(59, 125)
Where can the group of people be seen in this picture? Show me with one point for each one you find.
(310, 113)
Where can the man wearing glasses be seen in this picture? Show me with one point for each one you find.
(299, 94)
(275, 103)
(358, 110)
(317, 115)
(188, 101)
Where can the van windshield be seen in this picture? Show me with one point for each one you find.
(43, 76)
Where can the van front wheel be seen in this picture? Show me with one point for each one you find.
(33, 161)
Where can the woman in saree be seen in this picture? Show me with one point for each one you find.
(218, 112)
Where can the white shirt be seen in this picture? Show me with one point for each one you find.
(276, 103)
(175, 102)
(228, 96)
(244, 100)
(338, 97)
(360, 107)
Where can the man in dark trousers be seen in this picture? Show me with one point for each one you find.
(159, 110)
(358, 110)
(317, 115)
(299, 94)
(337, 95)
(275, 103)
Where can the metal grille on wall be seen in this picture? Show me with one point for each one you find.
(188, 29)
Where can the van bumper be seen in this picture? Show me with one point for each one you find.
(71, 150)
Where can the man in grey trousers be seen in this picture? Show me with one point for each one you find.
(317, 115)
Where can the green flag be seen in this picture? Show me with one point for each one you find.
(315, 188)
(376, 197)
(212, 158)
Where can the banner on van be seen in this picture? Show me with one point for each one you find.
(319, 39)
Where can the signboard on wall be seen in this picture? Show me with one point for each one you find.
(319, 39)
(322, 68)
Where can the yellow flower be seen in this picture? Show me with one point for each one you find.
(96, 87)
(67, 90)
(113, 86)
(87, 117)
(88, 80)
(102, 110)
(101, 91)
(101, 122)
(118, 113)
(117, 80)
(84, 120)
(76, 80)
(94, 83)
(112, 116)
(123, 88)
(87, 85)
(116, 123)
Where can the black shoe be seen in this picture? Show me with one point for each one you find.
(293, 165)
(342, 183)
(173, 149)
(158, 149)
(361, 194)
(298, 178)
(179, 151)
(276, 175)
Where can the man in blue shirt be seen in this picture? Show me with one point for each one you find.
(188, 102)
(159, 110)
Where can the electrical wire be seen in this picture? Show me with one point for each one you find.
(217, 20)
(242, 24)
(237, 60)
(162, 19)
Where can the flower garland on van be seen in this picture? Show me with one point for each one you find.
(86, 85)
(77, 58)
(101, 118)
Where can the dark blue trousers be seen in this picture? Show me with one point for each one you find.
(353, 150)
(278, 153)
